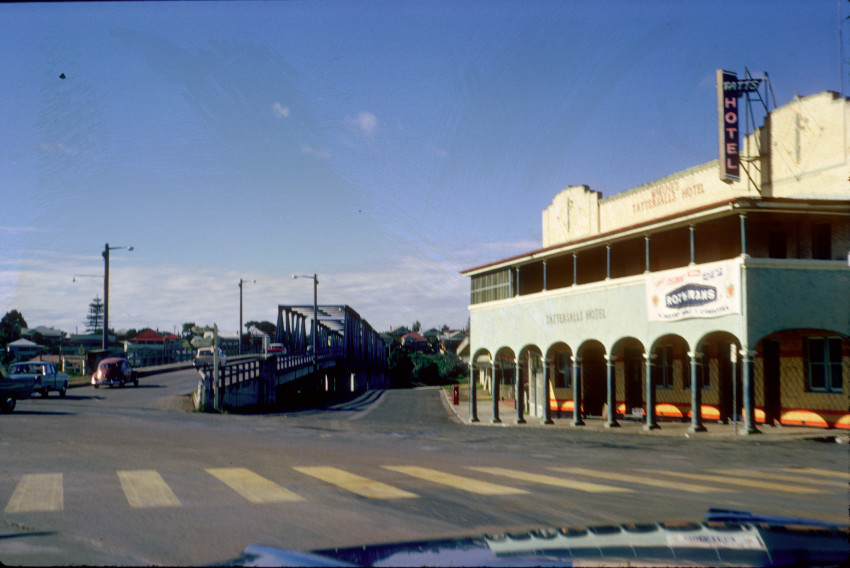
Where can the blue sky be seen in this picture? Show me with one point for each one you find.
(384, 146)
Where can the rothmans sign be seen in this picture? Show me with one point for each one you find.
(729, 90)
(704, 291)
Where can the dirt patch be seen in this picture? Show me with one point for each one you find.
(181, 403)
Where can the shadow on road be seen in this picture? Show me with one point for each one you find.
(70, 397)
(24, 534)
(307, 406)
(19, 412)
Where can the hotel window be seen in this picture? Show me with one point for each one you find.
(663, 368)
(823, 364)
(493, 286)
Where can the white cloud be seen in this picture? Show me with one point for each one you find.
(60, 148)
(486, 252)
(316, 152)
(280, 111)
(365, 123)
(425, 285)
(16, 230)
(164, 297)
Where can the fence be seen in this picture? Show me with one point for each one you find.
(153, 357)
(255, 382)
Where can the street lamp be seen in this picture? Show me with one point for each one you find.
(240, 312)
(106, 249)
(315, 313)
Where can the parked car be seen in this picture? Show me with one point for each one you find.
(14, 388)
(44, 374)
(276, 348)
(114, 371)
(204, 357)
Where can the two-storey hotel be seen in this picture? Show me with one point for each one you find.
(695, 297)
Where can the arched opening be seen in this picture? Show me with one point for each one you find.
(531, 380)
(504, 369)
(721, 376)
(481, 366)
(560, 395)
(670, 376)
(629, 378)
(800, 378)
(593, 377)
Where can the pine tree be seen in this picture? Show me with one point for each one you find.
(94, 320)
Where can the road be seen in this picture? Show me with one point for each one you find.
(129, 476)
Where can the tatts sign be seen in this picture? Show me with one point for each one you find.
(706, 291)
(729, 90)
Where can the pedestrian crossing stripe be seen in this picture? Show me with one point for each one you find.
(37, 492)
(356, 484)
(631, 478)
(783, 477)
(455, 481)
(821, 472)
(253, 487)
(783, 487)
(552, 480)
(146, 489)
(43, 492)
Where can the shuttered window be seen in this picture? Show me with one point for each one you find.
(497, 285)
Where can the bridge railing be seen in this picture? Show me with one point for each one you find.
(288, 362)
(250, 381)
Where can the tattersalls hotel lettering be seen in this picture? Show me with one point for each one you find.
(576, 316)
(667, 193)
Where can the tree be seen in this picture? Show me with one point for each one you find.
(416, 326)
(10, 327)
(266, 327)
(399, 366)
(127, 335)
(188, 330)
(94, 319)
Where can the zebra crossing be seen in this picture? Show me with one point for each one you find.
(147, 489)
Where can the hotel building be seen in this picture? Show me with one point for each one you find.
(738, 287)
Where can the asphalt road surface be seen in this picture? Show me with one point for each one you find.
(129, 476)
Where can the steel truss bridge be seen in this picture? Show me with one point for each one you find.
(349, 357)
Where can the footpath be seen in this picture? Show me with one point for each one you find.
(629, 426)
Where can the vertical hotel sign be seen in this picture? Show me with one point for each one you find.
(729, 90)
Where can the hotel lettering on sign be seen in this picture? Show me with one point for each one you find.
(706, 291)
(729, 90)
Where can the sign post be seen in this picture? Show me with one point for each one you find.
(733, 357)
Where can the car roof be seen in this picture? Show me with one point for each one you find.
(112, 360)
